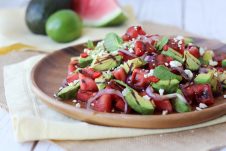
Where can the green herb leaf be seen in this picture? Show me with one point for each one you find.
(90, 44)
(112, 42)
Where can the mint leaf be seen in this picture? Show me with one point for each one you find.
(90, 44)
(112, 42)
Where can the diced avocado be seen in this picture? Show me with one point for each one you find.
(174, 54)
(102, 80)
(169, 86)
(90, 44)
(224, 63)
(180, 106)
(130, 65)
(106, 63)
(207, 78)
(163, 73)
(135, 101)
(191, 62)
(68, 92)
(84, 62)
(160, 44)
(203, 78)
(207, 56)
(222, 77)
(187, 40)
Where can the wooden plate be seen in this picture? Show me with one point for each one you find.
(48, 74)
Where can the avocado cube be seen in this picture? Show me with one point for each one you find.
(203, 78)
(174, 54)
(102, 80)
(84, 62)
(180, 106)
(68, 92)
(169, 86)
(207, 56)
(224, 63)
(130, 65)
(191, 62)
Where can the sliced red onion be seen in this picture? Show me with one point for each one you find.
(157, 97)
(107, 91)
(149, 58)
(181, 71)
(128, 53)
(203, 70)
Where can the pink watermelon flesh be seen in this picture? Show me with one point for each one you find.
(97, 12)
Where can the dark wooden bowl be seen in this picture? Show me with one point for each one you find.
(49, 72)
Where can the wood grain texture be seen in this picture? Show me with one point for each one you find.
(55, 65)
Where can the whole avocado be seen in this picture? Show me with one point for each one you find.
(38, 12)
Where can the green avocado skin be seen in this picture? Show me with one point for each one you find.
(38, 12)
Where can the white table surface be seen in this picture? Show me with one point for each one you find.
(9, 143)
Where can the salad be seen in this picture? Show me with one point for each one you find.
(141, 73)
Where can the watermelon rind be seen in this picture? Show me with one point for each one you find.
(115, 18)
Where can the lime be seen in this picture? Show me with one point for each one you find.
(64, 26)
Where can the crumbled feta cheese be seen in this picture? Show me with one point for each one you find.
(202, 106)
(78, 105)
(150, 73)
(213, 63)
(54, 95)
(113, 110)
(225, 96)
(146, 97)
(161, 91)
(71, 84)
(215, 74)
(179, 44)
(179, 37)
(189, 73)
(74, 101)
(87, 50)
(60, 88)
(124, 92)
(198, 109)
(131, 50)
(164, 112)
(166, 64)
(175, 63)
(201, 51)
(75, 81)
(92, 104)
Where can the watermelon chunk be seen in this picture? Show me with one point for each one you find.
(99, 13)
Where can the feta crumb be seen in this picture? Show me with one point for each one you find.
(150, 73)
(71, 84)
(202, 106)
(198, 109)
(87, 50)
(161, 91)
(78, 105)
(75, 81)
(146, 97)
(92, 104)
(175, 63)
(179, 37)
(74, 101)
(189, 73)
(112, 110)
(201, 51)
(124, 92)
(213, 63)
(166, 64)
(60, 88)
(54, 95)
(164, 112)
(224, 96)
(215, 74)
(131, 50)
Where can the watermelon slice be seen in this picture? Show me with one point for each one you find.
(99, 12)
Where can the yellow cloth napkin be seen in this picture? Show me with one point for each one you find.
(33, 120)
(13, 30)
